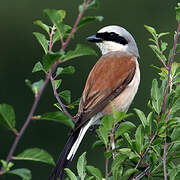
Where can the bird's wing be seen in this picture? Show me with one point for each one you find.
(108, 78)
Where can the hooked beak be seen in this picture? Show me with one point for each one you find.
(94, 39)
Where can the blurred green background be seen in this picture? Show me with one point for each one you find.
(19, 51)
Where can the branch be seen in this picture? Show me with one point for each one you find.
(75, 24)
(147, 150)
(170, 65)
(164, 159)
(142, 157)
(59, 100)
(36, 101)
(165, 96)
(48, 77)
(142, 174)
(64, 45)
(164, 64)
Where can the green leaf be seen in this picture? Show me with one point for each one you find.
(42, 40)
(57, 35)
(81, 50)
(141, 116)
(56, 17)
(89, 19)
(175, 108)
(163, 34)
(57, 83)
(93, 4)
(108, 121)
(24, 173)
(178, 12)
(35, 154)
(42, 25)
(95, 172)
(158, 53)
(59, 71)
(74, 104)
(177, 91)
(36, 86)
(128, 139)
(175, 134)
(103, 134)
(163, 73)
(124, 127)
(49, 60)
(81, 166)
(66, 95)
(97, 144)
(119, 116)
(152, 31)
(7, 116)
(6, 166)
(68, 70)
(149, 123)
(57, 116)
(38, 67)
(128, 173)
(119, 159)
(163, 46)
(70, 174)
(156, 96)
(139, 136)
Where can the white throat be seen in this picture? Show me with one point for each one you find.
(109, 46)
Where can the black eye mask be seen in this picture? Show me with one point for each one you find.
(112, 36)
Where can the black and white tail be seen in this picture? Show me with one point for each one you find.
(68, 152)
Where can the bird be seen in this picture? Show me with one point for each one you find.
(114, 80)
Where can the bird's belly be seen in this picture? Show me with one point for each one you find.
(123, 101)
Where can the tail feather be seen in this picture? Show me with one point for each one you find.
(63, 162)
(69, 151)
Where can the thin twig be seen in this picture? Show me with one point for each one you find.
(142, 174)
(36, 101)
(164, 159)
(38, 96)
(51, 38)
(76, 24)
(164, 64)
(147, 150)
(170, 65)
(144, 154)
(59, 100)
(64, 45)
(165, 96)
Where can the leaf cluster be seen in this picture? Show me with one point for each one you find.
(145, 150)
(58, 33)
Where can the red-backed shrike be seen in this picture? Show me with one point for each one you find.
(114, 78)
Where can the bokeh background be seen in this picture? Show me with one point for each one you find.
(19, 51)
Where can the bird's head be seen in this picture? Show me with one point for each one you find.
(115, 38)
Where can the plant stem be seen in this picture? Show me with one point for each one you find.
(142, 174)
(157, 44)
(76, 24)
(165, 96)
(164, 159)
(170, 65)
(59, 100)
(64, 45)
(142, 157)
(147, 150)
(36, 101)
(48, 76)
